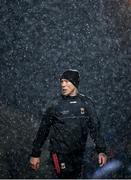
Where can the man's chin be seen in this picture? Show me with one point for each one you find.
(64, 93)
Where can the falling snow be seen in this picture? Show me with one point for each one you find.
(38, 41)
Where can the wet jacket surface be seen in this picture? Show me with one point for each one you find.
(69, 119)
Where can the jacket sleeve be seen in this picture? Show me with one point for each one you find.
(94, 128)
(42, 133)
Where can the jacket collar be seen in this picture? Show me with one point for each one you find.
(70, 97)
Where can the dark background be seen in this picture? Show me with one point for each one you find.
(38, 41)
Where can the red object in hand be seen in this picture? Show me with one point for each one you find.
(56, 163)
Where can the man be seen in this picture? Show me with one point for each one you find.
(69, 119)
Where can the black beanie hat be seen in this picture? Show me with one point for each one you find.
(72, 76)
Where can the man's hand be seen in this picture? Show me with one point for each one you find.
(102, 159)
(35, 163)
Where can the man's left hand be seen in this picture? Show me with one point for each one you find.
(102, 159)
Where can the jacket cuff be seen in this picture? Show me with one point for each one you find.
(35, 153)
(100, 149)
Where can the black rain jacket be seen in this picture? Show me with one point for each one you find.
(69, 120)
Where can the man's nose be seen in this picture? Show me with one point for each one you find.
(63, 84)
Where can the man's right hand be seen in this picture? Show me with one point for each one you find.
(35, 163)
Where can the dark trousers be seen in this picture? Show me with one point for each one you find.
(67, 166)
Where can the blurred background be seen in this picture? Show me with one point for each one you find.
(41, 39)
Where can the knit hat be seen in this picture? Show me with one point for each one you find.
(72, 76)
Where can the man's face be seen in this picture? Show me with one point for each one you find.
(67, 87)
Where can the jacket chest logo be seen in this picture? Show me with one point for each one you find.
(82, 110)
(64, 112)
(73, 102)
